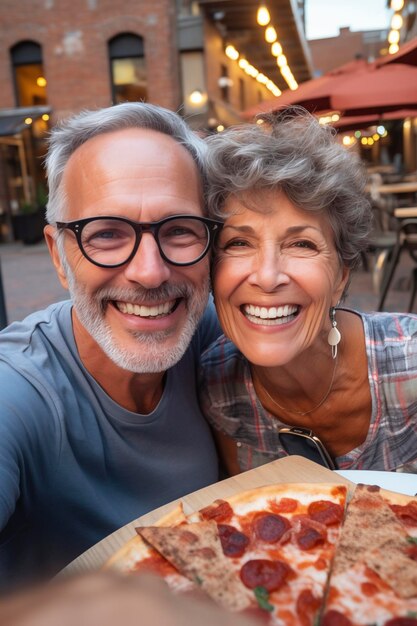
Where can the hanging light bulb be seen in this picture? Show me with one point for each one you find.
(396, 21)
(276, 49)
(270, 34)
(394, 36)
(397, 5)
(262, 17)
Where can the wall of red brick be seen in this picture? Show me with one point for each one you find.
(74, 35)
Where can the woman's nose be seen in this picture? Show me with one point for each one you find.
(269, 269)
(147, 267)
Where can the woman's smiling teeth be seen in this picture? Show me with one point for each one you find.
(270, 315)
(146, 311)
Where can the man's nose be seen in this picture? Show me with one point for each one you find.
(147, 266)
(269, 269)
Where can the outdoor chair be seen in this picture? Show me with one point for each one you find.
(406, 239)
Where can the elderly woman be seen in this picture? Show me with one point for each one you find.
(295, 225)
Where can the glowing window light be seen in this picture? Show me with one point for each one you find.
(243, 63)
(397, 5)
(396, 21)
(28, 121)
(394, 47)
(232, 53)
(262, 17)
(270, 34)
(45, 117)
(393, 36)
(41, 81)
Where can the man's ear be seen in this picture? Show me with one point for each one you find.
(50, 232)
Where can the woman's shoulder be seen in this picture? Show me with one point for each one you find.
(385, 326)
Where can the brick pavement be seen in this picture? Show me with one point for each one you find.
(30, 282)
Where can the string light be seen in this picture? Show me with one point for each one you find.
(262, 17)
(250, 70)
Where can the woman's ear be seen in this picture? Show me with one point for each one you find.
(50, 235)
(341, 286)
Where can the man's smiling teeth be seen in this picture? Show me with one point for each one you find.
(146, 311)
(270, 315)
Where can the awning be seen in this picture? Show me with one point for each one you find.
(12, 121)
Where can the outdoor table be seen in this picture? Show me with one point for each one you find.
(405, 212)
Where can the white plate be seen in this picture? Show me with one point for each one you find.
(394, 481)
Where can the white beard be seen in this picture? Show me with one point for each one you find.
(150, 354)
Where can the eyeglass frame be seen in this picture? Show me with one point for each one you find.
(77, 226)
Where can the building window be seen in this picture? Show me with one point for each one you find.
(242, 94)
(127, 68)
(29, 79)
(224, 83)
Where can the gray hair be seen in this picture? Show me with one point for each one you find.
(69, 135)
(291, 152)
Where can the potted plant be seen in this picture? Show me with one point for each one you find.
(29, 222)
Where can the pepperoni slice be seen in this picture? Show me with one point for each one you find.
(325, 512)
(407, 514)
(264, 573)
(270, 527)
(234, 543)
(334, 618)
(307, 605)
(219, 511)
(309, 537)
(412, 552)
(285, 505)
(401, 621)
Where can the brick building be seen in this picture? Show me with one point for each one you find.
(58, 57)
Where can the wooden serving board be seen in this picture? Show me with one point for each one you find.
(292, 469)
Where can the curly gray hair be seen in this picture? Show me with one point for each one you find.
(69, 135)
(291, 152)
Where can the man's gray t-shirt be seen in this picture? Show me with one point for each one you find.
(74, 465)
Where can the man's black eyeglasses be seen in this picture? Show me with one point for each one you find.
(113, 241)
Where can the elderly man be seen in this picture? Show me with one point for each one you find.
(99, 419)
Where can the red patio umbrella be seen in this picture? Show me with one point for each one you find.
(368, 89)
(382, 88)
(314, 95)
(406, 54)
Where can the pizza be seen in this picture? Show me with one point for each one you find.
(291, 554)
(265, 552)
(374, 573)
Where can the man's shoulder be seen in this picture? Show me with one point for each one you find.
(20, 333)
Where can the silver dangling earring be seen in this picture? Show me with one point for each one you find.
(334, 336)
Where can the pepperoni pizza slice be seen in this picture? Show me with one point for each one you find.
(266, 552)
(374, 577)
(137, 556)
